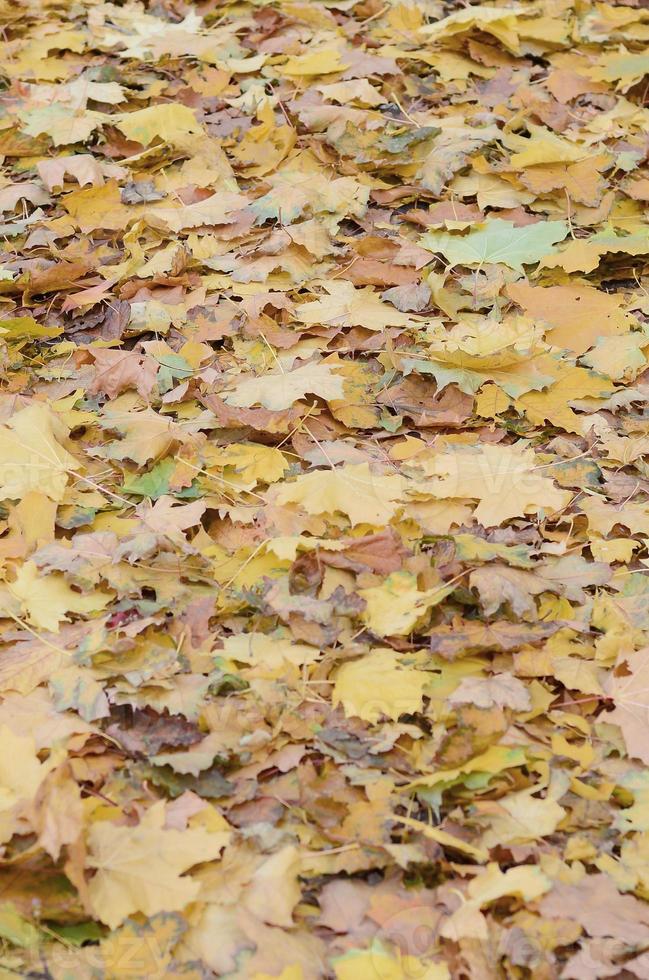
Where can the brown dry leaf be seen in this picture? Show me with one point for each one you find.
(117, 371)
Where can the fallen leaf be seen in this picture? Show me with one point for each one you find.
(279, 391)
(498, 241)
(504, 480)
(378, 685)
(140, 869)
(354, 490)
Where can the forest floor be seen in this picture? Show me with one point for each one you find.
(324, 490)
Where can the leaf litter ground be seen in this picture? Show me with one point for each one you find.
(324, 492)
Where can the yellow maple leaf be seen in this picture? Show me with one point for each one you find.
(553, 404)
(379, 962)
(345, 306)
(357, 90)
(31, 455)
(394, 607)
(543, 146)
(139, 868)
(519, 818)
(620, 358)
(273, 652)
(100, 206)
(504, 479)
(502, 23)
(576, 314)
(274, 889)
(288, 973)
(63, 124)
(378, 684)
(213, 210)
(194, 760)
(247, 462)
(167, 121)
(494, 760)
(527, 881)
(146, 435)
(279, 391)
(366, 498)
(263, 147)
(47, 599)
(322, 62)
(491, 190)
(21, 771)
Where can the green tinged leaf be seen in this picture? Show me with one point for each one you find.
(498, 241)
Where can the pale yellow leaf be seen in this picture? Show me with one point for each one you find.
(141, 869)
